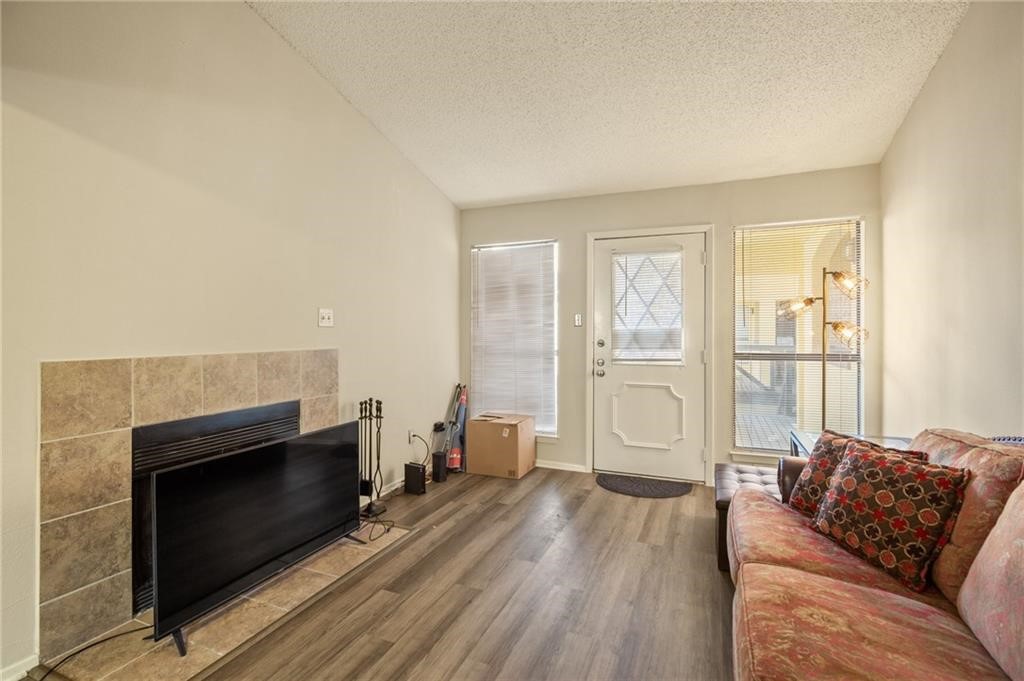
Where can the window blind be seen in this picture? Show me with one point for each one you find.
(777, 360)
(514, 338)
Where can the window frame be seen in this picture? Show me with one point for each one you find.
(857, 357)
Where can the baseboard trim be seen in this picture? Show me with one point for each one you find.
(559, 466)
(19, 669)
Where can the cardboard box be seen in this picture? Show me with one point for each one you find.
(501, 445)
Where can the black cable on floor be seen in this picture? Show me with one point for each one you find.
(91, 645)
(386, 524)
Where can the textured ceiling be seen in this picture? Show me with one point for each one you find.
(507, 102)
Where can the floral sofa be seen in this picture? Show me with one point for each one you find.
(806, 609)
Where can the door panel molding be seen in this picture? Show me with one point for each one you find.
(680, 433)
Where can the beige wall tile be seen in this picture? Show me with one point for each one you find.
(319, 372)
(229, 382)
(85, 397)
(83, 472)
(85, 614)
(167, 388)
(318, 412)
(277, 377)
(83, 548)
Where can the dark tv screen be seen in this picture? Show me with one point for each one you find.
(223, 525)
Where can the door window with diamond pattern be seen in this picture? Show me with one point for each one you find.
(647, 318)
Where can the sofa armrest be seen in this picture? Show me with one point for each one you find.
(789, 470)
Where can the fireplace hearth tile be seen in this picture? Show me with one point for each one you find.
(167, 388)
(292, 588)
(84, 472)
(339, 559)
(234, 625)
(80, 549)
(277, 377)
(108, 657)
(229, 382)
(164, 664)
(319, 372)
(84, 614)
(318, 412)
(85, 397)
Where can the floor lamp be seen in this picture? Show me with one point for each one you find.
(847, 332)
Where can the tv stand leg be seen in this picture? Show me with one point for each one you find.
(179, 642)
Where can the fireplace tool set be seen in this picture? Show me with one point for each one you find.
(371, 479)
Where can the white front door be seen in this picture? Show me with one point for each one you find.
(649, 356)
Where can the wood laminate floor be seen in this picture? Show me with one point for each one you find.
(549, 577)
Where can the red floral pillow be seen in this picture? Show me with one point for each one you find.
(816, 476)
(894, 512)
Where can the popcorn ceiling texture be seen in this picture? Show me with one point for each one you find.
(507, 102)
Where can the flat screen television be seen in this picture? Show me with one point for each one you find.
(224, 524)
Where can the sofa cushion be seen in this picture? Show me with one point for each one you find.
(996, 470)
(944, 445)
(816, 476)
(992, 597)
(791, 625)
(762, 530)
(893, 512)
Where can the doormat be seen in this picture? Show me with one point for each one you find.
(643, 487)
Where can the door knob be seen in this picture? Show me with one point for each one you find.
(599, 373)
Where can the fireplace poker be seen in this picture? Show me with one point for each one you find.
(375, 507)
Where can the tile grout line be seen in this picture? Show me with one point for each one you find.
(202, 384)
(84, 586)
(83, 435)
(85, 510)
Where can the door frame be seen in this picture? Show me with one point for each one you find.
(708, 230)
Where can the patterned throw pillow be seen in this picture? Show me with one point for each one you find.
(895, 512)
(816, 476)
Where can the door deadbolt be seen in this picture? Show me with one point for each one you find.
(600, 342)
(599, 373)
(600, 362)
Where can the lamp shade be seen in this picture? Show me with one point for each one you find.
(848, 333)
(850, 284)
(789, 309)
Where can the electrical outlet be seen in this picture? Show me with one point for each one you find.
(325, 316)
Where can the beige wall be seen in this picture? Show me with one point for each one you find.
(952, 238)
(808, 196)
(178, 181)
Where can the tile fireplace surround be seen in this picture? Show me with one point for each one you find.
(87, 411)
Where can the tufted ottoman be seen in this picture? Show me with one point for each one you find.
(730, 477)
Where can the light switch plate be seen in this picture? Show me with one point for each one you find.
(325, 317)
